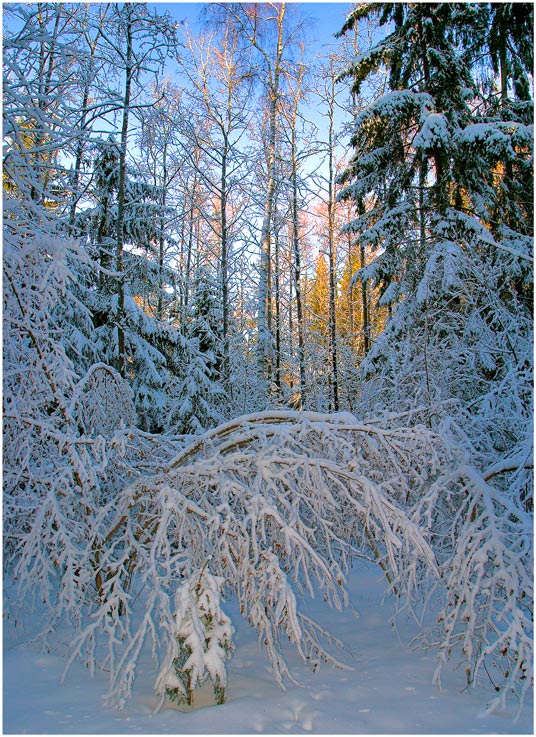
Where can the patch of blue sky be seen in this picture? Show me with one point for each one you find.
(322, 20)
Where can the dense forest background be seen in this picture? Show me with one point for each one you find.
(193, 233)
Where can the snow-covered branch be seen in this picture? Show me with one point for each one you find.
(272, 506)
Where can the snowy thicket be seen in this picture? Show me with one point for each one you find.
(489, 583)
(134, 538)
(271, 508)
(272, 505)
(66, 449)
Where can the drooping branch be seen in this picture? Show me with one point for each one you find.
(278, 503)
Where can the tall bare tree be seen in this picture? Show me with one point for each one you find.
(263, 26)
(219, 89)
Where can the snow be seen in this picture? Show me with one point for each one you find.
(434, 132)
(394, 103)
(389, 690)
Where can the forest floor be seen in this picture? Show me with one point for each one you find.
(389, 690)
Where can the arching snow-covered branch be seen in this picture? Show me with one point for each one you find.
(273, 506)
(270, 509)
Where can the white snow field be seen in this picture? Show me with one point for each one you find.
(389, 690)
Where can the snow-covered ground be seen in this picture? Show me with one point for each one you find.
(388, 691)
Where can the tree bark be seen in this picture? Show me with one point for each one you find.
(120, 288)
(264, 364)
(297, 268)
(331, 247)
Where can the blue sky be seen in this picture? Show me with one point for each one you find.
(326, 18)
(323, 19)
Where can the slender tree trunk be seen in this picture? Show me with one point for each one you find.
(264, 369)
(503, 64)
(365, 314)
(190, 244)
(351, 319)
(129, 69)
(189, 250)
(277, 315)
(501, 15)
(224, 261)
(331, 250)
(264, 317)
(364, 302)
(104, 255)
(291, 322)
(297, 270)
(296, 266)
(182, 258)
(78, 162)
(161, 236)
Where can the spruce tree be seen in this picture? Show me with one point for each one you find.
(441, 167)
(153, 346)
(443, 163)
(199, 404)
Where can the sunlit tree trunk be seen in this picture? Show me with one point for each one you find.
(332, 256)
(274, 68)
(129, 70)
(297, 268)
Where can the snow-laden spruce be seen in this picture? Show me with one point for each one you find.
(202, 642)
(442, 180)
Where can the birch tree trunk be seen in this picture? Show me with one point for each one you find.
(328, 97)
(296, 250)
(264, 368)
(264, 347)
(331, 252)
(120, 285)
